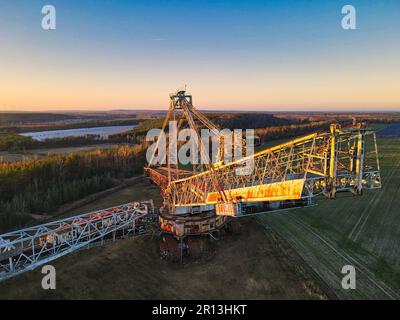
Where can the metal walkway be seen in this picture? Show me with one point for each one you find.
(26, 249)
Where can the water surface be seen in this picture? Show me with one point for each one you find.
(103, 132)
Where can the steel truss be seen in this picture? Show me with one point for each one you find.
(29, 248)
(316, 164)
(320, 163)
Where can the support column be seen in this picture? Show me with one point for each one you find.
(332, 164)
(359, 163)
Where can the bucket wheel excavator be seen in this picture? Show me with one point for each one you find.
(206, 197)
(202, 199)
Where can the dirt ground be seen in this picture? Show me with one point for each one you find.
(254, 264)
(245, 266)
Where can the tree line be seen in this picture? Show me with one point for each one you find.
(42, 186)
(291, 131)
(15, 142)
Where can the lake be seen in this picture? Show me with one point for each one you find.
(104, 132)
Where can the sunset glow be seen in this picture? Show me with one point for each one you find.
(253, 56)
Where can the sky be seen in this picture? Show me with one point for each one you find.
(239, 55)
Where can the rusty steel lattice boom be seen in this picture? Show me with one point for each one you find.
(29, 248)
(315, 164)
(287, 175)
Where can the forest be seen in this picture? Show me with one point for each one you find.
(228, 120)
(18, 118)
(41, 186)
(291, 131)
(250, 120)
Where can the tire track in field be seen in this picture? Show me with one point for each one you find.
(395, 170)
(299, 246)
(382, 229)
(354, 234)
(383, 287)
(325, 266)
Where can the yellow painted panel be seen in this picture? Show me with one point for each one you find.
(287, 190)
(227, 209)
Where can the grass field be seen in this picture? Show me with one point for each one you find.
(360, 231)
(36, 154)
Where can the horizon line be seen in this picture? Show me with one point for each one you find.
(210, 109)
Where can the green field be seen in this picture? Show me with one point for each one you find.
(360, 231)
(6, 156)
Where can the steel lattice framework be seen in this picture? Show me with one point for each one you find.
(320, 163)
(29, 248)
